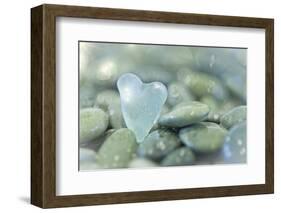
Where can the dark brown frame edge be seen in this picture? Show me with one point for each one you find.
(43, 105)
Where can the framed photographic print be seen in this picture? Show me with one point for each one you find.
(135, 106)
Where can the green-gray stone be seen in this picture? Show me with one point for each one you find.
(87, 155)
(170, 57)
(234, 116)
(176, 56)
(213, 104)
(185, 114)
(93, 123)
(222, 107)
(150, 74)
(87, 166)
(165, 109)
(87, 95)
(229, 104)
(106, 71)
(213, 158)
(201, 84)
(237, 84)
(213, 116)
(142, 163)
(158, 144)
(118, 149)
(109, 101)
(203, 137)
(105, 98)
(179, 157)
(87, 159)
(235, 145)
(177, 93)
(219, 61)
(210, 101)
(97, 143)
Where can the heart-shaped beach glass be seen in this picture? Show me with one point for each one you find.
(141, 103)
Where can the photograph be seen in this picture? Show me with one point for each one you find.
(161, 105)
(169, 105)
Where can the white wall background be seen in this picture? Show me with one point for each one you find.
(15, 104)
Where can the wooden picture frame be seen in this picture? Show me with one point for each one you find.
(43, 105)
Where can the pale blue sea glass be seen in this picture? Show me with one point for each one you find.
(141, 103)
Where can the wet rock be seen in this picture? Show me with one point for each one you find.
(234, 116)
(109, 100)
(177, 93)
(93, 123)
(185, 114)
(118, 149)
(142, 163)
(179, 157)
(87, 159)
(158, 144)
(203, 137)
(235, 145)
(202, 84)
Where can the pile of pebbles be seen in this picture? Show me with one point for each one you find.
(203, 121)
